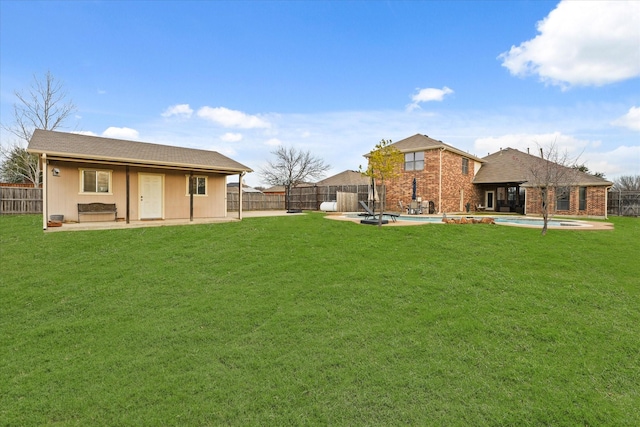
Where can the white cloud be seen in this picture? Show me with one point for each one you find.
(85, 132)
(631, 120)
(623, 160)
(120, 133)
(581, 44)
(232, 118)
(180, 110)
(231, 137)
(226, 150)
(341, 138)
(428, 95)
(273, 142)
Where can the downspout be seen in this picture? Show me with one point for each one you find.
(440, 184)
(45, 205)
(240, 176)
(191, 185)
(128, 194)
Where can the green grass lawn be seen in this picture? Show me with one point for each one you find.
(305, 321)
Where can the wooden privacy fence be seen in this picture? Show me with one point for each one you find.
(255, 201)
(20, 200)
(305, 198)
(623, 203)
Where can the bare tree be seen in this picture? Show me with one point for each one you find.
(43, 106)
(627, 183)
(292, 167)
(18, 166)
(551, 175)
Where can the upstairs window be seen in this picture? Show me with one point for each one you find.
(414, 161)
(95, 181)
(199, 185)
(465, 166)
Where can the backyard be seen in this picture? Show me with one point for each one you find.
(304, 321)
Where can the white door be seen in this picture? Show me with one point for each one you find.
(150, 196)
(489, 195)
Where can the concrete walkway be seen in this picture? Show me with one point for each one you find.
(115, 225)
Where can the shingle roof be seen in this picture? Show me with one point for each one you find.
(512, 166)
(275, 189)
(347, 177)
(245, 188)
(74, 146)
(419, 142)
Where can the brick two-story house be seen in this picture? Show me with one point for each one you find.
(451, 180)
(443, 174)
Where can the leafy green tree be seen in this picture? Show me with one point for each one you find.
(43, 106)
(384, 162)
(585, 169)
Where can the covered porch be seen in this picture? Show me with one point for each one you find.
(507, 197)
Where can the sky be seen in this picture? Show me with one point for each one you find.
(336, 77)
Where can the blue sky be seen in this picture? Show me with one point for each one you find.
(336, 77)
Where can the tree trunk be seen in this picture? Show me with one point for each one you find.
(545, 212)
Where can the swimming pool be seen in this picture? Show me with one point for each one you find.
(501, 220)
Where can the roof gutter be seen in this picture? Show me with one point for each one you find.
(146, 164)
(440, 182)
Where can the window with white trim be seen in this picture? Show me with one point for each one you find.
(199, 185)
(95, 181)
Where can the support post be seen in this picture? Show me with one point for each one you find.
(45, 186)
(240, 176)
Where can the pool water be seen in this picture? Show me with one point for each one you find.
(506, 220)
(538, 222)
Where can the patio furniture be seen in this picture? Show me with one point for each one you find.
(369, 214)
(97, 209)
(414, 208)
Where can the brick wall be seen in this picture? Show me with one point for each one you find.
(596, 202)
(457, 189)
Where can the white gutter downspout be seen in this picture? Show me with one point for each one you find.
(45, 214)
(242, 174)
(440, 184)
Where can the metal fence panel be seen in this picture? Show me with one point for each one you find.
(623, 203)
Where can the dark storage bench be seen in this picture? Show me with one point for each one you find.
(97, 209)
